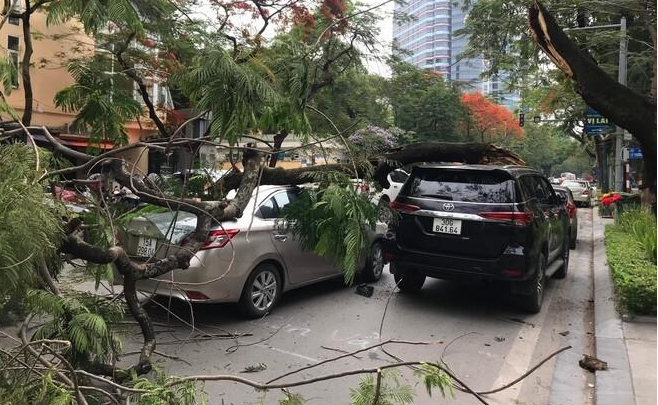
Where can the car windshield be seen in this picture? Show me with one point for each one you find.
(460, 185)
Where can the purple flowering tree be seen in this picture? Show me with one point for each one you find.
(373, 139)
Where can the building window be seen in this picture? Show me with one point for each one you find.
(12, 48)
(14, 12)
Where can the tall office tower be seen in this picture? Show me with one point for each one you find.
(428, 41)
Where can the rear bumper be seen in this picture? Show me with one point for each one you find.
(508, 267)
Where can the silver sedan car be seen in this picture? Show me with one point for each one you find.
(248, 260)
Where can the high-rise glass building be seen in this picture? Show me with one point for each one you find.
(428, 41)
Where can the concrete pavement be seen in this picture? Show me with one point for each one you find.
(627, 345)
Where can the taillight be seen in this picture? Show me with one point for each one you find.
(571, 209)
(394, 205)
(518, 218)
(218, 238)
(196, 295)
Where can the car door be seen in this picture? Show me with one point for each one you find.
(554, 212)
(301, 266)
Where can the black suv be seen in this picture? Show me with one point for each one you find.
(480, 222)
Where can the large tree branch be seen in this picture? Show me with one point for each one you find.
(623, 106)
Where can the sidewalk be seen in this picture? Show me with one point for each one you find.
(627, 345)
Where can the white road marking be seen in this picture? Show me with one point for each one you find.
(519, 357)
(301, 356)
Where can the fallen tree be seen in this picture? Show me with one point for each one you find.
(101, 372)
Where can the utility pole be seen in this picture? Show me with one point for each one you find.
(619, 136)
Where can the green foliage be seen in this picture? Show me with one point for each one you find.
(17, 388)
(333, 220)
(354, 96)
(290, 398)
(633, 274)
(391, 391)
(158, 393)
(550, 150)
(95, 15)
(102, 107)
(434, 377)
(423, 103)
(233, 92)
(641, 226)
(82, 318)
(30, 227)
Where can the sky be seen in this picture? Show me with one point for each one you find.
(386, 34)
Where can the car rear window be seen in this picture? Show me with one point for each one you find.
(460, 185)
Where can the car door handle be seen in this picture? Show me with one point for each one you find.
(282, 238)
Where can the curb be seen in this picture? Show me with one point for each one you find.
(613, 386)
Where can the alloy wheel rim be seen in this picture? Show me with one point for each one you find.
(263, 290)
(377, 261)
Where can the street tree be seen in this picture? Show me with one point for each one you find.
(423, 103)
(487, 121)
(587, 59)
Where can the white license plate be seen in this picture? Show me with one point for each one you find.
(146, 246)
(447, 225)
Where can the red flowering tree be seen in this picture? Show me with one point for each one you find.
(487, 121)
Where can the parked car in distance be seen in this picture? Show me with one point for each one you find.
(248, 260)
(479, 222)
(572, 210)
(396, 179)
(582, 194)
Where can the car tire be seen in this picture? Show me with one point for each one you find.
(532, 302)
(374, 264)
(562, 271)
(261, 291)
(409, 281)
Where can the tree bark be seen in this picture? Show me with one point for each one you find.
(25, 66)
(621, 105)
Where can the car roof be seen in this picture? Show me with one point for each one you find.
(515, 170)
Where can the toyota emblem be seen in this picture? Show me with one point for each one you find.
(448, 206)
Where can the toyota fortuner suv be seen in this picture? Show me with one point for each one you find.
(491, 222)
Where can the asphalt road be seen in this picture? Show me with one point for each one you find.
(473, 328)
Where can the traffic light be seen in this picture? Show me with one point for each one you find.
(521, 119)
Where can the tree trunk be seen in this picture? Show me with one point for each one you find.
(25, 66)
(621, 105)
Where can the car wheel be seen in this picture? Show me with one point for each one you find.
(374, 263)
(562, 271)
(532, 302)
(261, 291)
(409, 281)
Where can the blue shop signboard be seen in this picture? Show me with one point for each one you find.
(596, 124)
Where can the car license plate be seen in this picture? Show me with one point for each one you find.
(146, 246)
(447, 225)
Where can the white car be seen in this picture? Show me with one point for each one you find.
(396, 179)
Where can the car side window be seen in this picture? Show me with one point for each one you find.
(269, 209)
(543, 191)
(399, 176)
(551, 195)
(527, 187)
